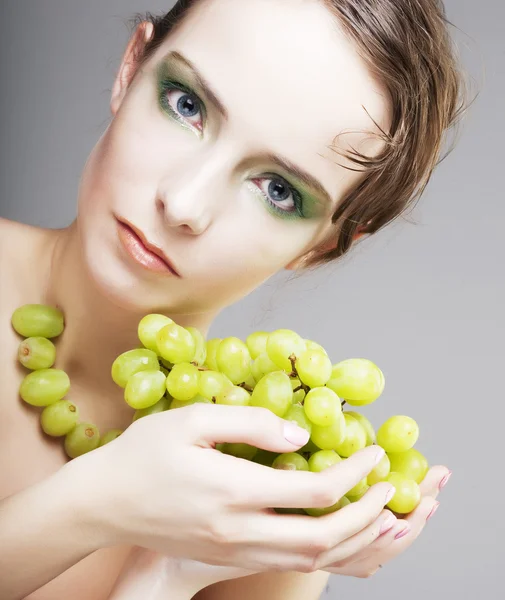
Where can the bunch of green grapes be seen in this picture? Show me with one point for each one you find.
(280, 371)
(292, 377)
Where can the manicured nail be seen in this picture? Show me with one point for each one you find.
(402, 533)
(388, 524)
(433, 511)
(390, 493)
(380, 455)
(296, 435)
(444, 481)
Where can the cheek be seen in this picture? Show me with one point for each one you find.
(254, 247)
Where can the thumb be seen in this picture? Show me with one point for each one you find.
(258, 427)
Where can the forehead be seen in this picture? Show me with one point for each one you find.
(291, 80)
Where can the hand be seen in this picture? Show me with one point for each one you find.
(162, 485)
(384, 548)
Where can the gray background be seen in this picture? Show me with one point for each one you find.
(424, 300)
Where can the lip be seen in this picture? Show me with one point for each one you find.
(143, 251)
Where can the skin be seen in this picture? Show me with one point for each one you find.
(189, 188)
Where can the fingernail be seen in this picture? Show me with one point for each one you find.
(402, 533)
(390, 494)
(444, 481)
(388, 524)
(433, 511)
(380, 455)
(295, 435)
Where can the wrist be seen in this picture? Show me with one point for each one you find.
(85, 506)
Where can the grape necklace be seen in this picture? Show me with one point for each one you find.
(280, 371)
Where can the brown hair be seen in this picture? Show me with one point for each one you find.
(407, 45)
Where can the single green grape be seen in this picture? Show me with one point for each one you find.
(83, 438)
(398, 434)
(211, 347)
(290, 461)
(380, 472)
(357, 380)
(367, 426)
(274, 392)
(314, 368)
(36, 353)
(363, 489)
(110, 436)
(144, 389)
(200, 345)
(321, 460)
(233, 359)
(407, 496)
(296, 414)
(212, 383)
(160, 406)
(244, 451)
(44, 387)
(257, 343)
(175, 344)
(282, 345)
(410, 463)
(322, 406)
(183, 403)
(300, 393)
(330, 438)
(319, 512)
(59, 418)
(233, 396)
(358, 490)
(131, 362)
(263, 365)
(148, 329)
(355, 437)
(250, 382)
(38, 320)
(183, 381)
(311, 345)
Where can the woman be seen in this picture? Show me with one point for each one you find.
(246, 138)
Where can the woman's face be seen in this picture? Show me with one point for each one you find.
(194, 172)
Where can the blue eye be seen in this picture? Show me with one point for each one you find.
(283, 198)
(181, 103)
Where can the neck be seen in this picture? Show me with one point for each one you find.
(97, 330)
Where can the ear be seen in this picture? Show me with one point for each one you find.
(323, 248)
(128, 67)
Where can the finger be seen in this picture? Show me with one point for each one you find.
(418, 518)
(209, 425)
(272, 488)
(304, 536)
(396, 540)
(358, 542)
(434, 481)
(378, 547)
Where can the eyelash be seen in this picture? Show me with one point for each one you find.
(296, 211)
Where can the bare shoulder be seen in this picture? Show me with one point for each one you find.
(14, 232)
(268, 586)
(22, 248)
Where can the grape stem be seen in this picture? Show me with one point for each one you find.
(292, 360)
(343, 403)
(246, 387)
(294, 373)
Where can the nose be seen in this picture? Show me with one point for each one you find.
(190, 199)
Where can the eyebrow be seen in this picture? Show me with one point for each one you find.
(285, 164)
